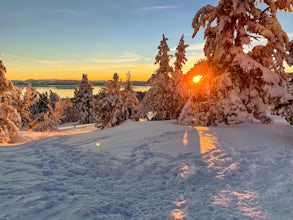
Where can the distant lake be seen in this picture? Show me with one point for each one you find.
(68, 91)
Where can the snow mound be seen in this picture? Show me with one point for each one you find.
(62, 130)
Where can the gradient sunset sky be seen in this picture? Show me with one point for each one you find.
(61, 39)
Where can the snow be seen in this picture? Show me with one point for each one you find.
(150, 170)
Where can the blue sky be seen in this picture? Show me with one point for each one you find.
(63, 39)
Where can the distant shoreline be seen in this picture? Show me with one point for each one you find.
(64, 83)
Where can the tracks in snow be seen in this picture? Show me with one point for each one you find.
(205, 180)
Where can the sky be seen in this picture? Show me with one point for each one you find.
(61, 39)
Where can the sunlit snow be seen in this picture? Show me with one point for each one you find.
(150, 170)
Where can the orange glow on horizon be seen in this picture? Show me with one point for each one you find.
(16, 71)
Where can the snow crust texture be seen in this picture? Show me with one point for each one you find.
(152, 170)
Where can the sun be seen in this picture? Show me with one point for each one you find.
(197, 78)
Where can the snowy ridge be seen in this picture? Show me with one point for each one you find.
(152, 170)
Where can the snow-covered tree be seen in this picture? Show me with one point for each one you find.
(53, 98)
(163, 73)
(111, 110)
(179, 89)
(44, 116)
(68, 111)
(180, 57)
(41, 106)
(25, 100)
(10, 120)
(160, 98)
(84, 102)
(48, 121)
(245, 83)
(129, 98)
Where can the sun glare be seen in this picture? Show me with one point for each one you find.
(197, 78)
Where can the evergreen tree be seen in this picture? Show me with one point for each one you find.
(180, 56)
(10, 120)
(49, 120)
(68, 111)
(129, 98)
(83, 102)
(160, 98)
(45, 117)
(244, 83)
(178, 88)
(38, 110)
(101, 109)
(25, 101)
(164, 71)
(111, 112)
(53, 98)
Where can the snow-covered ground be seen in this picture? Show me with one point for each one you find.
(150, 170)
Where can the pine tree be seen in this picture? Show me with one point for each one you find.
(25, 100)
(163, 57)
(53, 98)
(84, 102)
(180, 93)
(159, 98)
(68, 111)
(180, 56)
(49, 120)
(38, 110)
(101, 109)
(111, 112)
(42, 105)
(245, 83)
(10, 120)
(129, 98)
(45, 117)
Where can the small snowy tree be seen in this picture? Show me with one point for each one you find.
(10, 120)
(100, 108)
(25, 100)
(48, 121)
(38, 110)
(44, 116)
(84, 102)
(129, 98)
(68, 111)
(111, 112)
(245, 83)
(53, 98)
